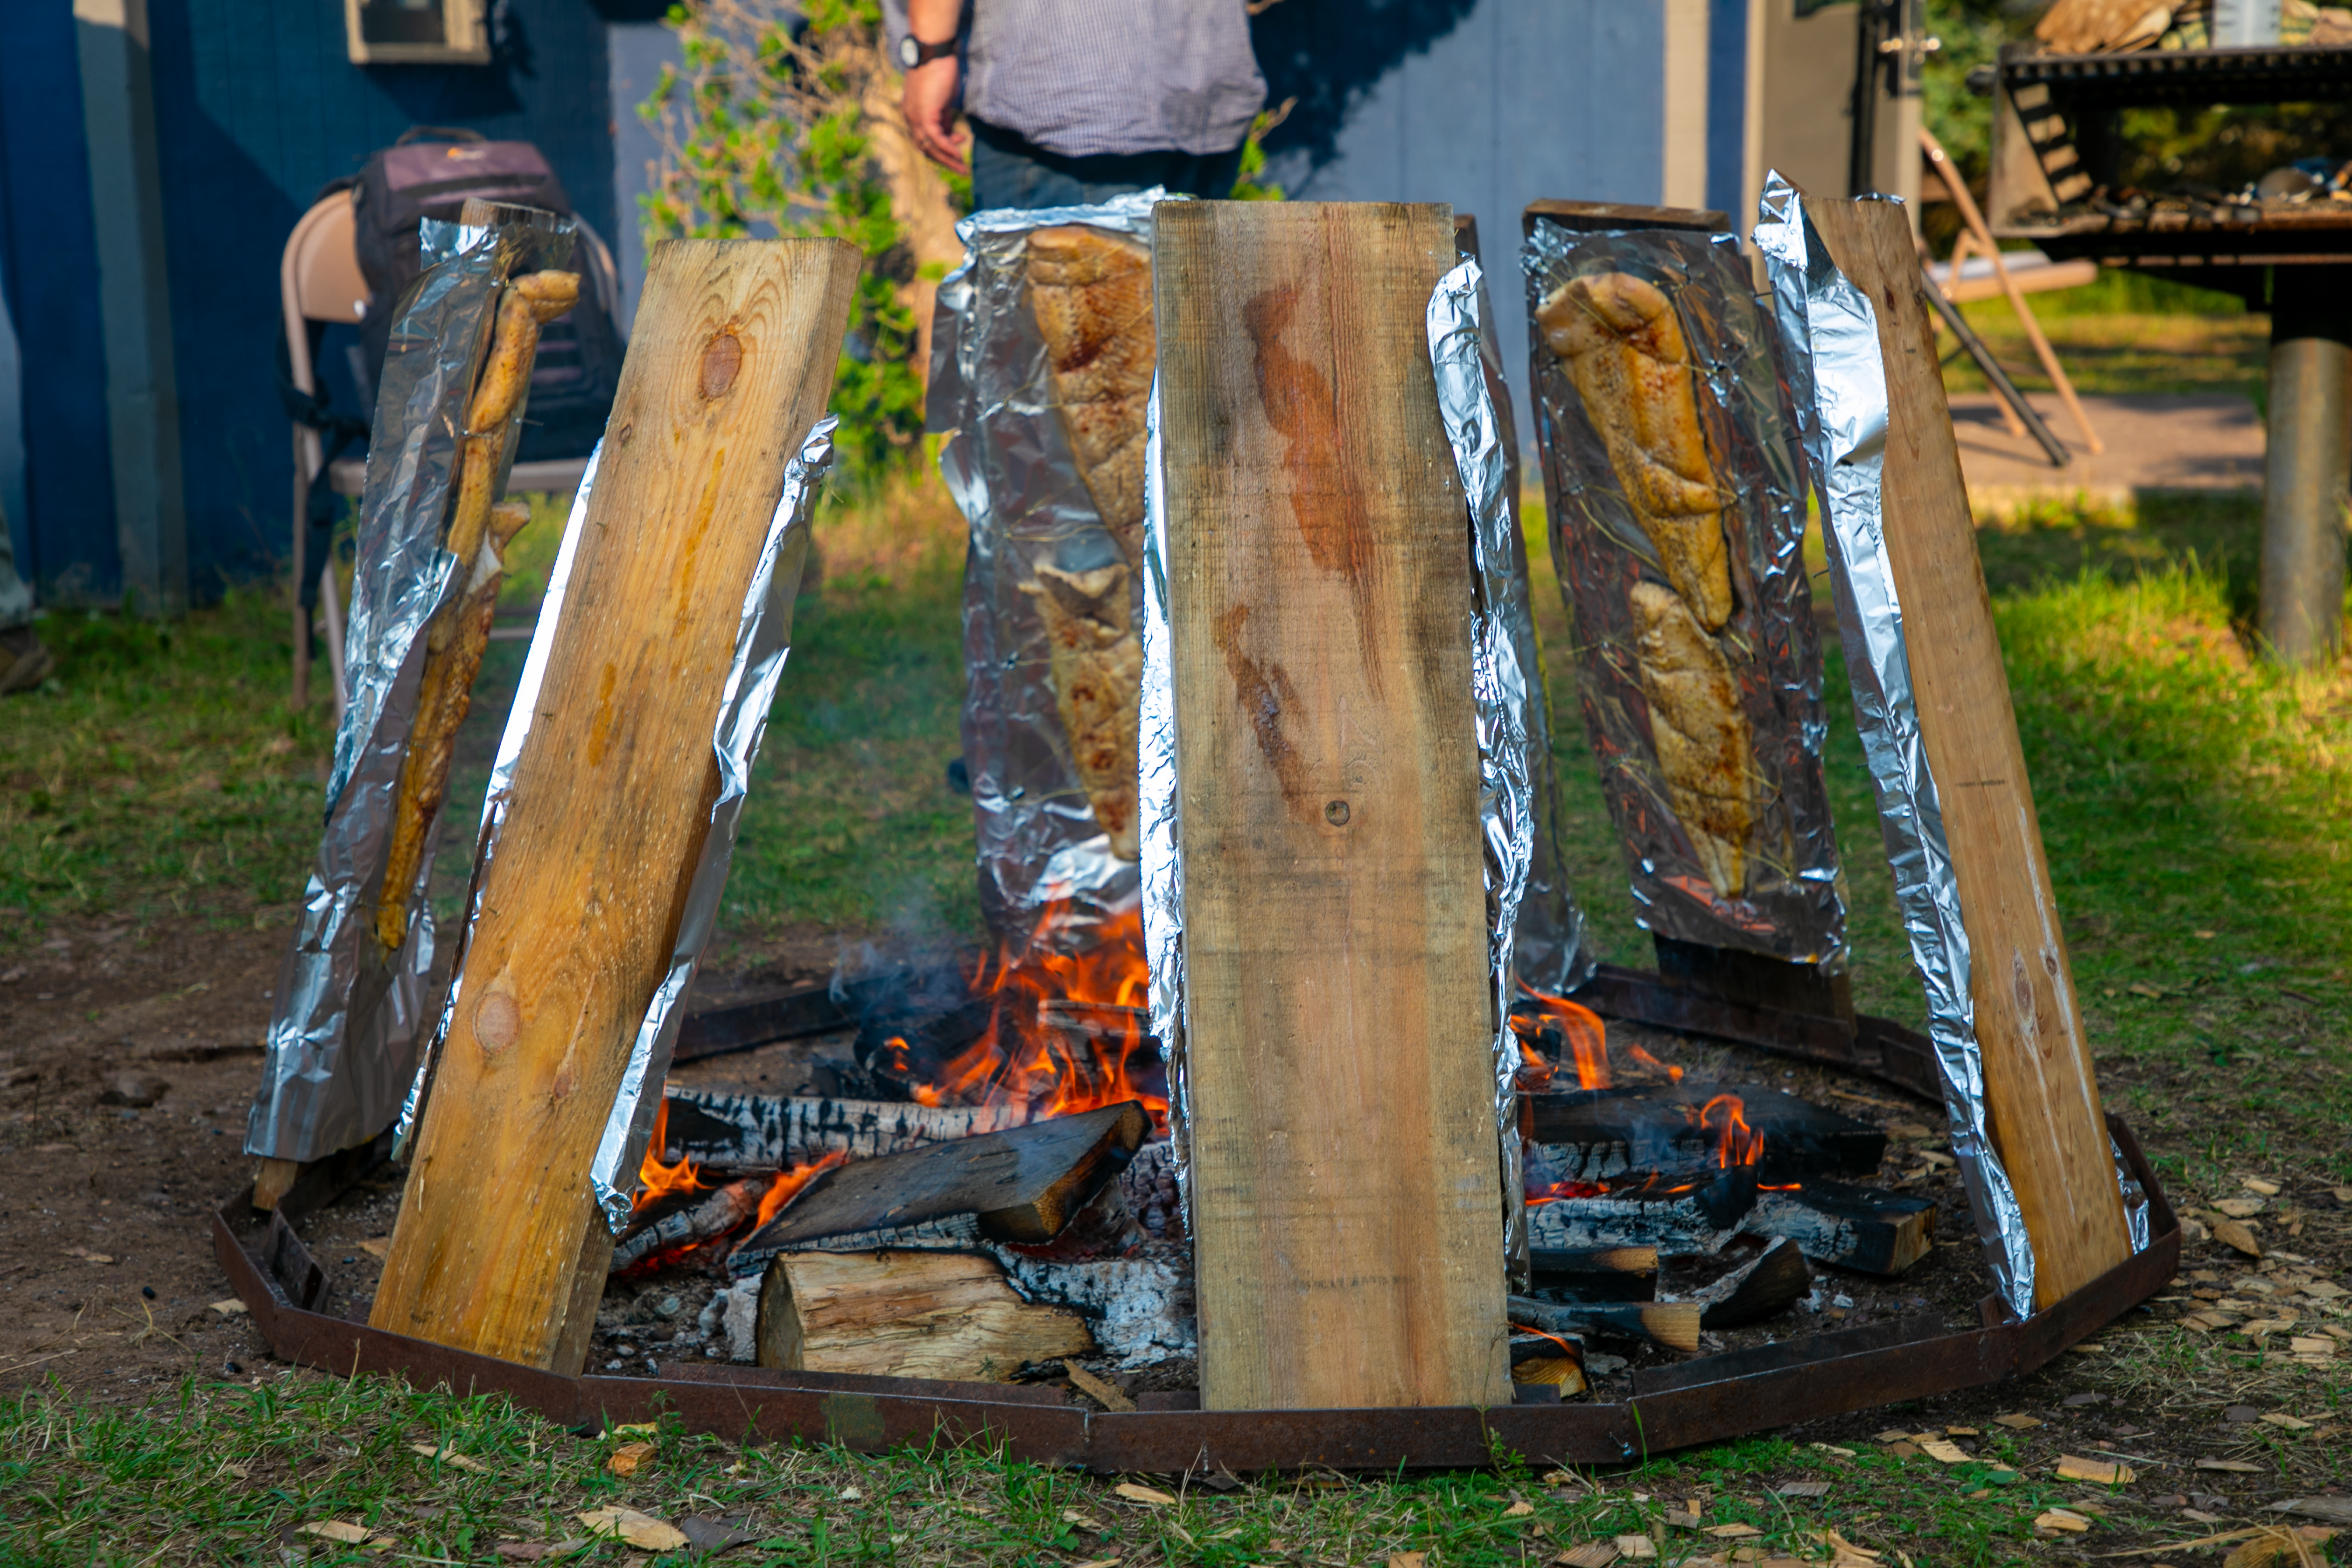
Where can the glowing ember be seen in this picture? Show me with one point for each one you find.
(657, 1180)
(786, 1185)
(1065, 1033)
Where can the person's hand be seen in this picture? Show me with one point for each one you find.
(929, 105)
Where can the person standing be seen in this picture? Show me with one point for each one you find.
(1074, 101)
(24, 662)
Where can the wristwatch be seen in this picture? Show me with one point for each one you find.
(912, 52)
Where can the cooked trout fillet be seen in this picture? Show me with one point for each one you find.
(1097, 669)
(1091, 293)
(1699, 732)
(1623, 348)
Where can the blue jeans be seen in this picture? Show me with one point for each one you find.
(1010, 171)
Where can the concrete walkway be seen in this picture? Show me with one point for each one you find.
(2207, 442)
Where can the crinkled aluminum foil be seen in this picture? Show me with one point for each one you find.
(1499, 683)
(1549, 953)
(1498, 691)
(1792, 905)
(345, 1022)
(762, 641)
(1008, 463)
(1840, 383)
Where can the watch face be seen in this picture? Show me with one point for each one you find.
(910, 56)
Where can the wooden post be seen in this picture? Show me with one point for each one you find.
(1346, 1177)
(500, 1247)
(2039, 1089)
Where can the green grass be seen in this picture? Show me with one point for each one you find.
(224, 1472)
(2125, 334)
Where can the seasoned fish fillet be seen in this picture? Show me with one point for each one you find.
(1699, 732)
(1096, 669)
(1091, 293)
(1623, 348)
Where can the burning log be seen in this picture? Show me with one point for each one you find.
(1696, 1216)
(1319, 593)
(731, 1130)
(1765, 1288)
(685, 1220)
(1023, 1183)
(576, 917)
(1855, 1227)
(1672, 1324)
(1591, 1135)
(1598, 1274)
(905, 1314)
(1553, 1360)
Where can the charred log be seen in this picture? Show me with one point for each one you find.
(1695, 1215)
(1776, 1281)
(1674, 1325)
(1854, 1227)
(686, 1219)
(1591, 1135)
(1596, 1274)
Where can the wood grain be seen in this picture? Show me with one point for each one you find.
(499, 1248)
(1349, 1236)
(2042, 1099)
(905, 1314)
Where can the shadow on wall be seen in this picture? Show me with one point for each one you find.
(1327, 53)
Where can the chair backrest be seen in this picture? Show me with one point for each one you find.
(322, 263)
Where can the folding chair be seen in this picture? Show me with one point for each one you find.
(319, 281)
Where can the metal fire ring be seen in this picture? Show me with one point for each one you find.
(1698, 1401)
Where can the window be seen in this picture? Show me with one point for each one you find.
(417, 32)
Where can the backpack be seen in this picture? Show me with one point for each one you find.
(430, 172)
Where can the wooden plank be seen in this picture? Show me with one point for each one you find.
(1022, 1183)
(1621, 214)
(732, 361)
(905, 1314)
(2043, 1100)
(1349, 1235)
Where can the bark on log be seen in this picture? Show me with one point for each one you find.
(726, 1129)
(704, 1216)
(906, 1314)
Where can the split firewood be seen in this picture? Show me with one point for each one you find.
(703, 1217)
(1766, 1288)
(459, 633)
(1023, 1183)
(1855, 1227)
(1554, 1360)
(724, 1129)
(1695, 1216)
(906, 1314)
(1592, 1135)
(1673, 1324)
(1595, 1274)
(1142, 1310)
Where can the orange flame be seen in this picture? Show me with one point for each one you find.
(657, 1180)
(1045, 1053)
(1581, 1027)
(1673, 1074)
(786, 1185)
(1735, 1143)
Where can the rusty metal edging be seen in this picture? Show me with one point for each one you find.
(1694, 1402)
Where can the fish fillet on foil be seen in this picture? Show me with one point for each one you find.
(1699, 732)
(1091, 294)
(1623, 348)
(1097, 669)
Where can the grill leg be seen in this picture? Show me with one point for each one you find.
(2307, 466)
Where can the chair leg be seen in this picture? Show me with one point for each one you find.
(301, 617)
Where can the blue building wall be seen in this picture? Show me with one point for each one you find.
(1486, 105)
(256, 105)
(64, 530)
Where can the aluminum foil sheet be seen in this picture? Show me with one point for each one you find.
(1008, 464)
(1840, 381)
(345, 1020)
(1500, 684)
(1549, 953)
(1507, 827)
(1787, 897)
(762, 640)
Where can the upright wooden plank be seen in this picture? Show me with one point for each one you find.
(2043, 1100)
(1345, 1191)
(499, 1246)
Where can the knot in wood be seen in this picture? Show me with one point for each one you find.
(721, 358)
(497, 1021)
(1337, 814)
